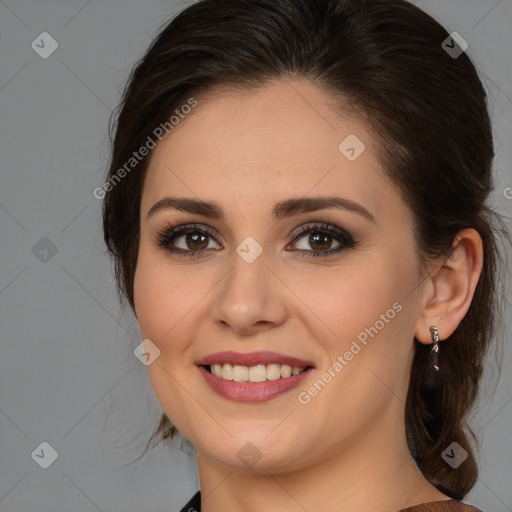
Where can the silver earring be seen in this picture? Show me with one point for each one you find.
(435, 348)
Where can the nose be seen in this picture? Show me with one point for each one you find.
(250, 298)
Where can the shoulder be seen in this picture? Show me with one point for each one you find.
(194, 504)
(442, 506)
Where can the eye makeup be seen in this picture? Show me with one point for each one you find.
(200, 235)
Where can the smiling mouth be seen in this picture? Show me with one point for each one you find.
(257, 373)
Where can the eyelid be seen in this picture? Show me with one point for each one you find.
(321, 226)
(171, 232)
(344, 236)
(184, 226)
(181, 229)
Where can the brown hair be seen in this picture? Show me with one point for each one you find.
(427, 111)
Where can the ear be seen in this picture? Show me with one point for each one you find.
(449, 290)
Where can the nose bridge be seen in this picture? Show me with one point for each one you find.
(246, 282)
(249, 295)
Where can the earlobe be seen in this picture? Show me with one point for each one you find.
(452, 287)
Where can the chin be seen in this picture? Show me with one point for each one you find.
(255, 452)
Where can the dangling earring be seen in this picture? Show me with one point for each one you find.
(435, 338)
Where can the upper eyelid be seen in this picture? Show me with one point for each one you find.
(296, 233)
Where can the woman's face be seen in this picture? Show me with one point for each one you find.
(343, 296)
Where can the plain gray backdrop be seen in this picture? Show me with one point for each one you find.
(66, 347)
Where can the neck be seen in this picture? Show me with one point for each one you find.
(375, 472)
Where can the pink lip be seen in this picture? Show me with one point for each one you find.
(252, 359)
(253, 392)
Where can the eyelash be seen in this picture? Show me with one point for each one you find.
(168, 234)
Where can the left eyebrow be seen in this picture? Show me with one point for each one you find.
(310, 204)
(283, 209)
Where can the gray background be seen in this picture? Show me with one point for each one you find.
(66, 348)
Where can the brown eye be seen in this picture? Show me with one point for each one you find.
(187, 240)
(195, 241)
(317, 240)
(320, 241)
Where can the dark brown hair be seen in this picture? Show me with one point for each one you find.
(426, 110)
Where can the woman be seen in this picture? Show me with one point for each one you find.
(296, 206)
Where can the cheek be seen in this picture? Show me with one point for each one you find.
(354, 297)
(367, 313)
(160, 300)
(161, 306)
(170, 302)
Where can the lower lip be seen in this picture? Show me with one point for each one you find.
(253, 392)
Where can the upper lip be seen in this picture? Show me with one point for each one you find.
(252, 359)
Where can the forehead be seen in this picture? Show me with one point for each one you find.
(277, 141)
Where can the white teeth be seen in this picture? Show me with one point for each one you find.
(227, 372)
(286, 370)
(216, 369)
(273, 371)
(240, 373)
(257, 373)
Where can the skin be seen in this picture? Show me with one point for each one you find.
(346, 448)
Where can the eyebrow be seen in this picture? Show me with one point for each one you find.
(283, 209)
